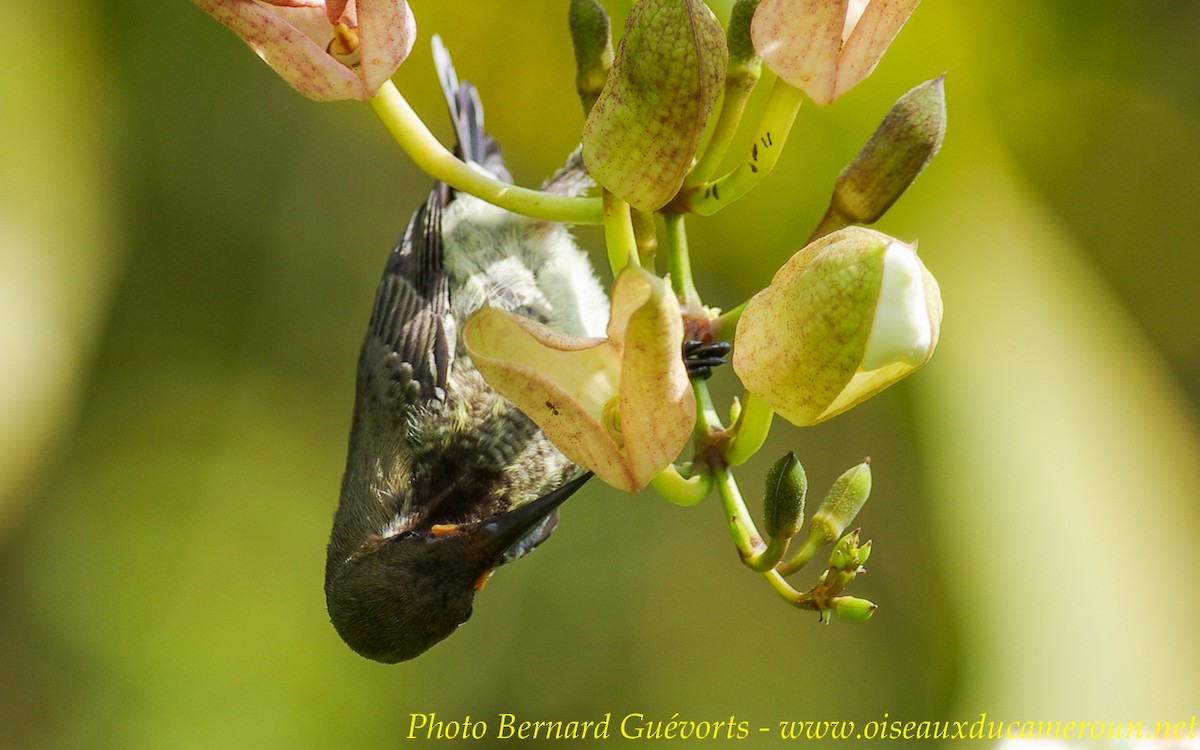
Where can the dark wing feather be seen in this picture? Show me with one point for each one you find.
(411, 337)
(411, 317)
(466, 111)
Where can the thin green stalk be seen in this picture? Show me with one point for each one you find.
(750, 431)
(784, 589)
(739, 83)
(769, 138)
(681, 490)
(724, 327)
(802, 557)
(431, 156)
(619, 237)
(679, 262)
(832, 221)
(741, 526)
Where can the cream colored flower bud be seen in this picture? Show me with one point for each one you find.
(844, 318)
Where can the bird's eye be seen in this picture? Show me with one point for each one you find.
(407, 536)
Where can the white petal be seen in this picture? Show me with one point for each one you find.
(901, 330)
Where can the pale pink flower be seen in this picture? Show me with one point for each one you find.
(325, 49)
(825, 47)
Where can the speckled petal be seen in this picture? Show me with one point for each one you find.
(878, 26)
(799, 40)
(642, 133)
(657, 407)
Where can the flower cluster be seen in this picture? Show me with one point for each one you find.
(851, 312)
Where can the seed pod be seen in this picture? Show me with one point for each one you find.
(783, 501)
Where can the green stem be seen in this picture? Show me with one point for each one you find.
(431, 156)
(679, 262)
(750, 432)
(784, 589)
(832, 221)
(647, 237)
(708, 422)
(741, 527)
(802, 557)
(725, 326)
(739, 83)
(619, 237)
(679, 489)
(769, 138)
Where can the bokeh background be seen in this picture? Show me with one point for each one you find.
(188, 253)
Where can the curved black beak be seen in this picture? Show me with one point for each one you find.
(496, 535)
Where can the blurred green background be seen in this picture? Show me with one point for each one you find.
(188, 253)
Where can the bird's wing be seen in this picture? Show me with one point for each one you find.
(466, 111)
(410, 321)
(409, 348)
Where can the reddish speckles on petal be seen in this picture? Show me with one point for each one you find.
(825, 47)
(621, 406)
(292, 36)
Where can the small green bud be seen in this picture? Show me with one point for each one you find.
(853, 609)
(897, 152)
(735, 410)
(642, 134)
(591, 36)
(841, 559)
(864, 553)
(741, 47)
(847, 496)
(783, 501)
(845, 558)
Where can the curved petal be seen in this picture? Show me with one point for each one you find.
(872, 35)
(561, 382)
(292, 35)
(387, 31)
(642, 132)
(293, 55)
(799, 40)
(657, 408)
(845, 318)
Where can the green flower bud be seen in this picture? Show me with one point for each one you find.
(642, 133)
(853, 609)
(844, 318)
(897, 152)
(783, 501)
(847, 496)
(864, 553)
(841, 558)
(741, 47)
(591, 36)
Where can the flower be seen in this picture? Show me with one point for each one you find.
(825, 47)
(847, 316)
(325, 49)
(641, 135)
(620, 406)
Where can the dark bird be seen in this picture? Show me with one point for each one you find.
(446, 480)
